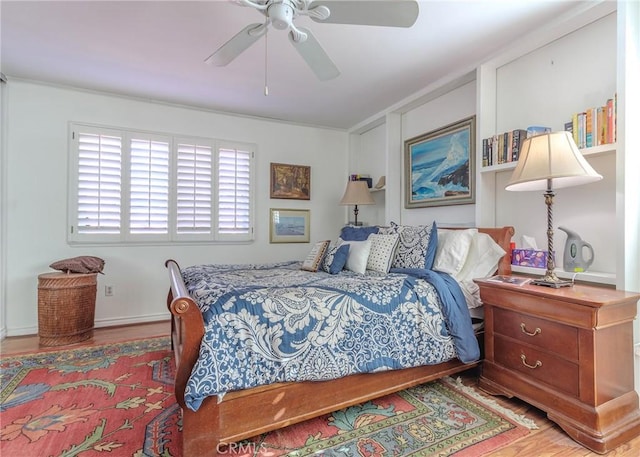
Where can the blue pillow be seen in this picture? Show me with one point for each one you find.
(430, 256)
(335, 259)
(356, 233)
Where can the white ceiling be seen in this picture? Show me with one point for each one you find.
(156, 50)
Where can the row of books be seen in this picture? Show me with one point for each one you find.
(594, 126)
(505, 147)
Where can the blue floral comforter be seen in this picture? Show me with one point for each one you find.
(272, 323)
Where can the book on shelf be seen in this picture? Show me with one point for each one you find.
(611, 120)
(519, 135)
(602, 125)
(568, 127)
(588, 128)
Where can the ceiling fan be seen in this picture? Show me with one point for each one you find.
(281, 14)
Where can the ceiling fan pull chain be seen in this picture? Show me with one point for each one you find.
(266, 47)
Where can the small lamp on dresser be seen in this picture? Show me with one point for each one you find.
(357, 193)
(547, 162)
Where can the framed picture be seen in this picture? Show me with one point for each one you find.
(440, 166)
(289, 226)
(290, 181)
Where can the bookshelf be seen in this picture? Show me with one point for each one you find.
(595, 151)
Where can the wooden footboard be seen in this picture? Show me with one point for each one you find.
(187, 329)
(247, 413)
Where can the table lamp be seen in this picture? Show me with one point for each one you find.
(357, 193)
(547, 162)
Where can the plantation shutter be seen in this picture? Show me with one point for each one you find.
(234, 191)
(132, 187)
(149, 186)
(99, 181)
(193, 188)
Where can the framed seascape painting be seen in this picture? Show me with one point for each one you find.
(289, 226)
(290, 181)
(440, 166)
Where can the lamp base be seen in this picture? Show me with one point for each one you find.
(551, 280)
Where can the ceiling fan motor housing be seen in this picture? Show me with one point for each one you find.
(281, 14)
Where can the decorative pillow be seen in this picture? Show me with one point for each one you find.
(336, 257)
(383, 250)
(314, 259)
(357, 233)
(358, 255)
(81, 264)
(412, 247)
(482, 260)
(453, 249)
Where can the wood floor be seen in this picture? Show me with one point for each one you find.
(548, 440)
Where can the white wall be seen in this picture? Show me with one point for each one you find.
(458, 104)
(35, 213)
(455, 105)
(372, 162)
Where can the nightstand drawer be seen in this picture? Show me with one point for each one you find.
(557, 338)
(555, 371)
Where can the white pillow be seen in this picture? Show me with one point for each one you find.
(383, 250)
(482, 260)
(453, 249)
(358, 255)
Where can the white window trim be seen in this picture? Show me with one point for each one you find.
(172, 237)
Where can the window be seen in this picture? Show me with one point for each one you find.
(130, 187)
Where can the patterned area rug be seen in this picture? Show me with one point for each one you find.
(118, 400)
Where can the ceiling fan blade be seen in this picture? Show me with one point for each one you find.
(312, 52)
(391, 13)
(236, 45)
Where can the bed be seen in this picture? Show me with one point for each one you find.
(226, 413)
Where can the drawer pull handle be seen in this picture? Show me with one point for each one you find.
(524, 362)
(524, 330)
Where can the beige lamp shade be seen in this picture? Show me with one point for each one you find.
(357, 193)
(551, 156)
(547, 162)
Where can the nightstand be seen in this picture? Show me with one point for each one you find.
(568, 352)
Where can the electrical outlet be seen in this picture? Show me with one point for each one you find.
(108, 291)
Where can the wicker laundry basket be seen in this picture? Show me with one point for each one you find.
(66, 307)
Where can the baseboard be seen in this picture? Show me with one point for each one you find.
(99, 323)
(132, 320)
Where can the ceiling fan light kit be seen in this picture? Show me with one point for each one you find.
(281, 14)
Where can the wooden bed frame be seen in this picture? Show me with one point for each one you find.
(247, 413)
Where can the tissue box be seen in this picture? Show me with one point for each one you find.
(529, 258)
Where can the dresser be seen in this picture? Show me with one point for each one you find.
(567, 351)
